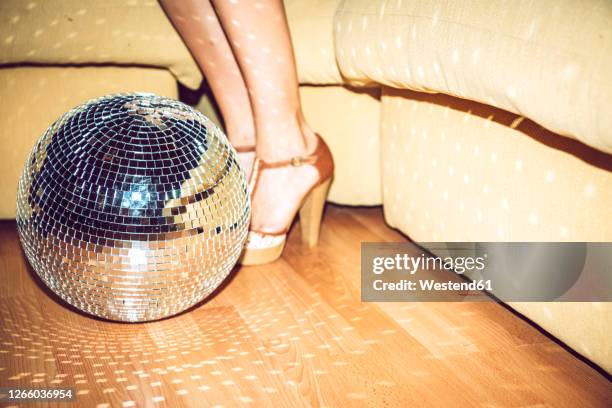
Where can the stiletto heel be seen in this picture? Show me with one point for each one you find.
(263, 247)
(311, 213)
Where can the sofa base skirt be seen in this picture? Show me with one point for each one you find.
(455, 170)
(349, 121)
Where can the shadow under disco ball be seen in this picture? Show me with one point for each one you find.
(133, 207)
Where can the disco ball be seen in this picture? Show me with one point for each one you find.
(133, 207)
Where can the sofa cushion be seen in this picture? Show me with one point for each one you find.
(547, 60)
(86, 32)
(312, 28)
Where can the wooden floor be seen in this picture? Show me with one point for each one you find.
(293, 333)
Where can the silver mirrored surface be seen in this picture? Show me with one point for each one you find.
(133, 207)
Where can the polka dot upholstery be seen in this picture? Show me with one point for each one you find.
(122, 32)
(312, 32)
(134, 31)
(455, 170)
(547, 60)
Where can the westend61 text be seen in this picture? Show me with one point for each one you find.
(429, 284)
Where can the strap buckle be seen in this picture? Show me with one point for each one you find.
(298, 161)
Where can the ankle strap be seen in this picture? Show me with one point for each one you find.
(244, 149)
(321, 158)
(294, 161)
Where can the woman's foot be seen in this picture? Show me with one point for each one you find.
(278, 195)
(280, 189)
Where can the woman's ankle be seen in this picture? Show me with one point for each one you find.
(241, 138)
(294, 141)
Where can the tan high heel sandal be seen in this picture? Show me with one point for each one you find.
(265, 247)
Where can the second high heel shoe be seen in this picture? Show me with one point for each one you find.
(265, 247)
(247, 165)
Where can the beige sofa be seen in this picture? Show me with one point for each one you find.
(468, 121)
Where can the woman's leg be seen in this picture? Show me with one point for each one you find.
(198, 25)
(259, 36)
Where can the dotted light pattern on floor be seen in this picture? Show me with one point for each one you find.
(133, 207)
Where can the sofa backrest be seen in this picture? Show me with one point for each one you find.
(93, 32)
